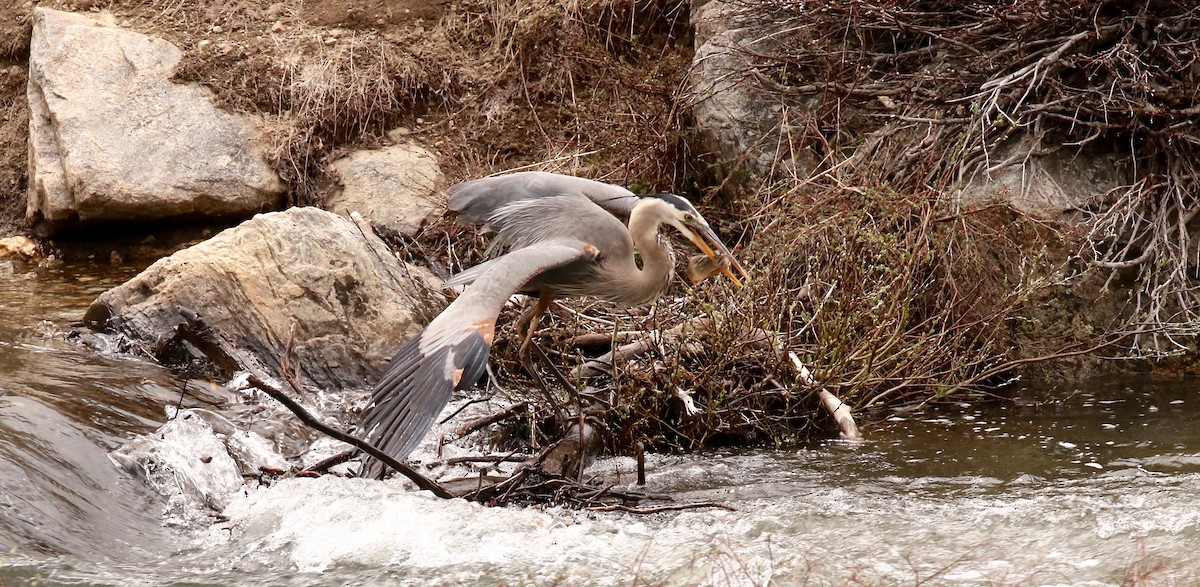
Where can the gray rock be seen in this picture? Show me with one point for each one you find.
(1052, 186)
(744, 126)
(303, 277)
(395, 187)
(113, 139)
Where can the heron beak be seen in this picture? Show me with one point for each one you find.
(706, 240)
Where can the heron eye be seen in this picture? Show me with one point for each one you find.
(688, 218)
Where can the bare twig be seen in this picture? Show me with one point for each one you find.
(196, 332)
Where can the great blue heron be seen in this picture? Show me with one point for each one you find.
(562, 238)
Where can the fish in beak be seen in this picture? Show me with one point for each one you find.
(702, 235)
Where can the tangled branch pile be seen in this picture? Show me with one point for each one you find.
(871, 268)
(946, 92)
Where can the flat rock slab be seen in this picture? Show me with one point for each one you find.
(395, 187)
(112, 139)
(304, 275)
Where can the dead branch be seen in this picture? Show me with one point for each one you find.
(836, 408)
(676, 507)
(324, 465)
(195, 331)
(599, 339)
(514, 410)
(604, 364)
(574, 452)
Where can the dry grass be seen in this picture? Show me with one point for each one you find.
(14, 138)
(928, 99)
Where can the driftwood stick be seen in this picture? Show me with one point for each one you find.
(196, 332)
(420, 480)
(641, 464)
(467, 428)
(832, 404)
(674, 507)
(324, 465)
(603, 364)
(486, 459)
(601, 339)
(574, 452)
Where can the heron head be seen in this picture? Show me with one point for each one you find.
(681, 214)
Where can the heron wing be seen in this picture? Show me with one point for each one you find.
(478, 199)
(452, 352)
(469, 275)
(524, 223)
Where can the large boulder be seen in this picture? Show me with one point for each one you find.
(303, 277)
(395, 187)
(111, 138)
(744, 127)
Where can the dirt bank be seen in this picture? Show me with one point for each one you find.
(489, 85)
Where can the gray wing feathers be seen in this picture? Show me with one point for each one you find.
(525, 223)
(451, 353)
(478, 199)
(469, 275)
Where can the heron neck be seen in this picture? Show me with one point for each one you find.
(657, 264)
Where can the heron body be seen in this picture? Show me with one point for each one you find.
(559, 236)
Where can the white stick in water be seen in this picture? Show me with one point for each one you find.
(834, 405)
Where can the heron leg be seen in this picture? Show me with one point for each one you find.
(526, 325)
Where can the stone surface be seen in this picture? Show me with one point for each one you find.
(304, 275)
(396, 187)
(1052, 186)
(112, 139)
(19, 247)
(743, 127)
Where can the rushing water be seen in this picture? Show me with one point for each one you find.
(1101, 487)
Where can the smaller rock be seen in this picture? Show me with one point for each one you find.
(217, 29)
(277, 27)
(395, 187)
(20, 247)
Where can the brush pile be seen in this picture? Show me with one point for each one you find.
(939, 88)
(872, 269)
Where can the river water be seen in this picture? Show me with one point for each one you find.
(1098, 486)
